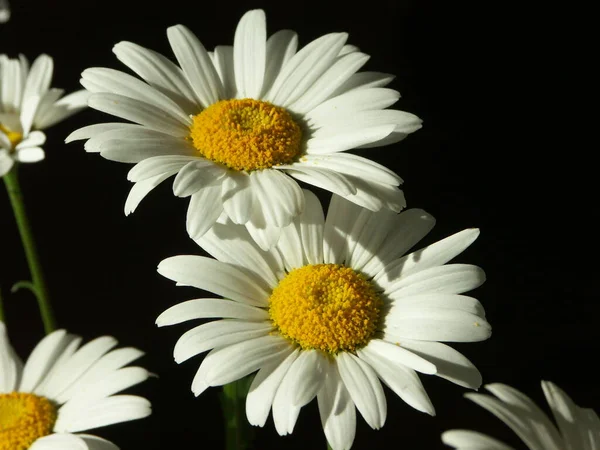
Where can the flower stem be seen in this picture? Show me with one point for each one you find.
(238, 433)
(38, 286)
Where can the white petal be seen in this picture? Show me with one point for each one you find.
(336, 75)
(108, 411)
(265, 385)
(116, 82)
(356, 100)
(354, 165)
(138, 112)
(337, 412)
(435, 300)
(223, 61)
(96, 443)
(159, 72)
(157, 165)
(11, 85)
(322, 178)
(142, 188)
(196, 65)
(219, 333)
(307, 375)
(224, 365)
(196, 175)
(285, 412)
(265, 236)
(204, 209)
(214, 276)
(436, 324)
(30, 154)
(76, 366)
(210, 308)
(375, 196)
(279, 197)
(364, 388)
(42, 358)
(304, 68)
(63, 108)
(6, 161)
(232, 244)
(238, 197)
(311, 228)
(408, 228)
(34, 139)
(249, 53)
(290, 247)
(281, 46)
(39, 78)
(471, 440)
(62, 441)
(399, 355)
(340, 220)
(10, 364)
(364, 80)
(433, 255)
(451, 365)
(28, 112)
(447, 279)
(400, 379)
(340, 140)
(566, 414)
(351, 120)
(97, 129)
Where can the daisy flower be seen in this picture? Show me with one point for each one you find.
(578, 428)
(28, 105)
(330, 311)
(240, 125)
(63, 389)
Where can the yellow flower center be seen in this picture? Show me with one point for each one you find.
(13, 136)
(246, 134)
(24, 418)
(328, 307)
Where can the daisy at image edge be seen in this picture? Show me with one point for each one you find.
(240, 125)
(333, 310)
(578, 428)
(28, 105)
(64, 389)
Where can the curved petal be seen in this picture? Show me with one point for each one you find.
(472, 440)
(249, 54)
(210, 308)
(140, 189)
(10, 365)
(312, 222)
(203, 211)
(281, 46)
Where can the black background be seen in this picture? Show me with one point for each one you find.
(492, 154)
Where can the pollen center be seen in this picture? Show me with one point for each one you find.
(24, 418)
(13, 136)
(246, 134)
(328, 307)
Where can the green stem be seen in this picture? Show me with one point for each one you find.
(41, 292)
(237, 429)
(329, 446)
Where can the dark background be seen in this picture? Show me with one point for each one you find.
(497, 151)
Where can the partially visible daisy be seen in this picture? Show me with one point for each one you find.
(330, 311)
(28, 105)
(240, 125)
(578, 428)
(64, 389)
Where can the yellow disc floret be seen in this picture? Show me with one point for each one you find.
(328, 307)
(246, 134)
(24, 418)
(13, 136)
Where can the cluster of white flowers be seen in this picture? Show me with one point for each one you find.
(326, 305)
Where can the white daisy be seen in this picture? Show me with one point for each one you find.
(332, 309)
(240, 124)
(578, 428)
(28, 105)
(64, 389)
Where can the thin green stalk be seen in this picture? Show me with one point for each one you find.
(238, 432)
(38, 285)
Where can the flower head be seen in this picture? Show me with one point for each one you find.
(28, 105)
(578, 428)
(64, 389)
(335, 307)
(240, 125)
